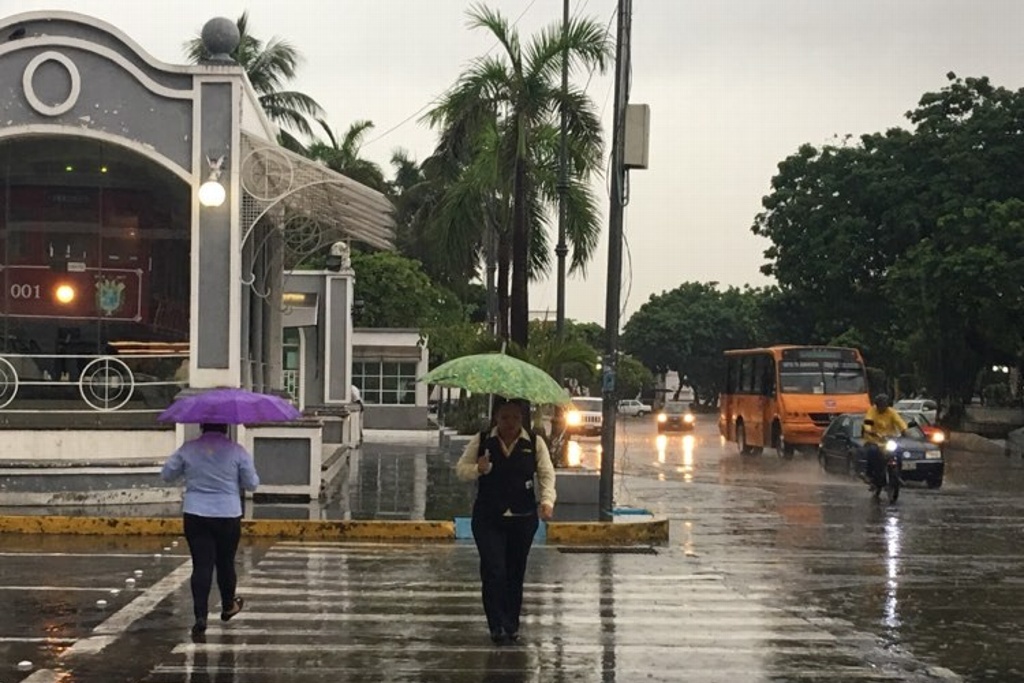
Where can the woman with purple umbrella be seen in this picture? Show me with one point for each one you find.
(216, 470)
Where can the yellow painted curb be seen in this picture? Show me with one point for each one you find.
(648, 532)
(303, 530)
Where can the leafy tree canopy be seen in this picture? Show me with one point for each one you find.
(688, 329)
(396, 293)
(911, 240)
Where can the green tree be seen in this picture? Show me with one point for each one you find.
(423, 218)
(506, 109)
(270, 66)
(395, 292)
(342, 155)
(689, 328)
(909, 240)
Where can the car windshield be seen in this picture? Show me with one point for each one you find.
(920, 418)
(821, 377)
(673, 408)
(587, 405)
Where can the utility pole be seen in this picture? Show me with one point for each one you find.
(561, 250)
(613, 301)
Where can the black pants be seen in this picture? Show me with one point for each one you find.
(504, 544)
(213, 542)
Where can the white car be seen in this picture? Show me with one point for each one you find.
(585, 416)
(634, 408)
(919, 405)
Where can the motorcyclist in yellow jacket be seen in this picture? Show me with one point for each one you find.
(881, 423)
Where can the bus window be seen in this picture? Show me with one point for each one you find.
(768, 381)
(758, 375)
(822, 377)
(746, 383)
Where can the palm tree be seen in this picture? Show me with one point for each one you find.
(507, 108)
(343, 155)
(269, 66)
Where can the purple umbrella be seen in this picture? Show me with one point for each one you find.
(229, 406)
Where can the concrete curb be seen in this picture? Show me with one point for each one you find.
(647, 532)
(301, 530)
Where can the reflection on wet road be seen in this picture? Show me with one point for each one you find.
(933, 582)
(775, 572)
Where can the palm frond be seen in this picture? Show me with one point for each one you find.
(481, 16)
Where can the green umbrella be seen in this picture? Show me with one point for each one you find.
(496, 373)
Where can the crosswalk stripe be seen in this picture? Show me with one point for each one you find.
(320, 601)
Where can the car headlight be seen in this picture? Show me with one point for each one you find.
(891, 446)
(662, 417)
(688, 419)
(573, 418)
(938, 437)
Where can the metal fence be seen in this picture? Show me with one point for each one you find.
(129, 382)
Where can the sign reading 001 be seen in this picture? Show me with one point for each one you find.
(39, 292)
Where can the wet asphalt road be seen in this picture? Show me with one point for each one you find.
(774, 572)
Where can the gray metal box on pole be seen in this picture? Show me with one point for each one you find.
(637, 137)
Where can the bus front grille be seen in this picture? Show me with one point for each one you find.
(821, 419)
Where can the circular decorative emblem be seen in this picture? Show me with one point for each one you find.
(106, 383)
(8, 382)
(30, 92)
(267, 174)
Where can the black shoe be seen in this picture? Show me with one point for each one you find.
(236, 606)
(498, 637)
(199, 628)
(512, 637)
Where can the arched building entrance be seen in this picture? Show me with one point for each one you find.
(94, 262)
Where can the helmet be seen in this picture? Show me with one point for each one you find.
(881, 401)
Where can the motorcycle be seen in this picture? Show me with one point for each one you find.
(892, 471)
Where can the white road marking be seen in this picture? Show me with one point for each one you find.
(116, 624)
(44, 676)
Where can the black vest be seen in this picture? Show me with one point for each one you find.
(510, 484)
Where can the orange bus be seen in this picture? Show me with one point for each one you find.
(785, 396)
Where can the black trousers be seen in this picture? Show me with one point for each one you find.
(213, 542)
(504, 544)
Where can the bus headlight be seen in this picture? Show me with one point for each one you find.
(688, 419)
(573, 418)
(662, 417)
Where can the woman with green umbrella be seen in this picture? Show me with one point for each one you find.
(515, 483)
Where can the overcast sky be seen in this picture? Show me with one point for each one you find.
(734, 87)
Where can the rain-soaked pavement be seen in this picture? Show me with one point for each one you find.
(774, 572)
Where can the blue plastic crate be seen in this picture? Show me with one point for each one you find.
(464, 530)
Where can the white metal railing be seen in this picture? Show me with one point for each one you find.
(129, 382)
(290, 378)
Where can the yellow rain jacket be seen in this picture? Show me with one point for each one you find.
(887, 424)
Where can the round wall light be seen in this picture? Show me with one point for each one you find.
(212, 193)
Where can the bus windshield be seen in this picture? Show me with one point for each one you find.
(822, 377)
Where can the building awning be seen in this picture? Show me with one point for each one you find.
(306, 197)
